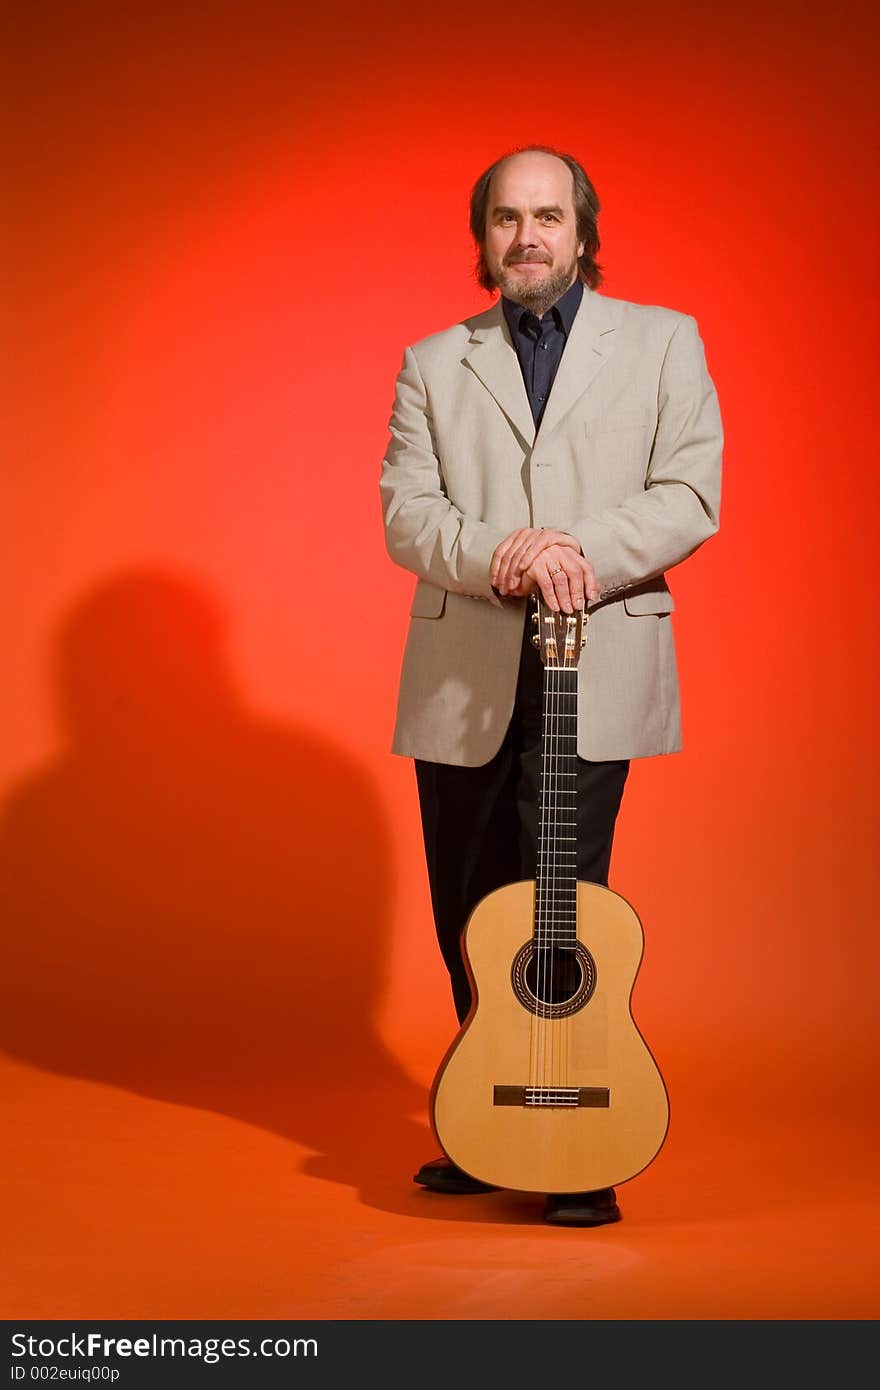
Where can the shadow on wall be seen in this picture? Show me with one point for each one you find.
(197, 902)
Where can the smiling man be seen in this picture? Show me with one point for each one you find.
(531, 248)
(567, 443)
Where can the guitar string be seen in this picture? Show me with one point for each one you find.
(556, 751)
(550, 1048)
(571, 860)
(572, 889)
(556, 1059)
(552, 1078)
(548, 810)
(572, 727)
(553, 954)
(534, 1023)
(546, 994)
(546, 966)
(537, 1028)
(557, 1077)
(571, 724)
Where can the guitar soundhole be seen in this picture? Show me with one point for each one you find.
(554, 981)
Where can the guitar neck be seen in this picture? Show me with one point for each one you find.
(556, 880)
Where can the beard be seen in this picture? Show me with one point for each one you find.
(539, 295)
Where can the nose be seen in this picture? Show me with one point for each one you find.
(528, 233)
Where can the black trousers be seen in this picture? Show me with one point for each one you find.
(480, 824)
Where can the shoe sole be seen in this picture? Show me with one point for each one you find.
(454, 1189)
(604, 1220)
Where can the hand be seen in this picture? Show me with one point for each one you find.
(529, 559)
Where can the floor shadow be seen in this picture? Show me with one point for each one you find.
(197, 899)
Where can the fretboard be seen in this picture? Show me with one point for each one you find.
(556, 883)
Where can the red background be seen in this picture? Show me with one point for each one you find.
(224, 225)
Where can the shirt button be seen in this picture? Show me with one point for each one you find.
(544, 347)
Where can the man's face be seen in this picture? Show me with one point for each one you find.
(531, 244)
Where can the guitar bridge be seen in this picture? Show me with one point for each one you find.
(558, 1097)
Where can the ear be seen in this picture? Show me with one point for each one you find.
(581, 245)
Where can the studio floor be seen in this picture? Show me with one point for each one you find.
(264, 1203)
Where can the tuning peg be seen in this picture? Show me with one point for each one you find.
(534, 617)
(536, 641)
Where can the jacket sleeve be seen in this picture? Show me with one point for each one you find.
(424, 532)
(679, 507)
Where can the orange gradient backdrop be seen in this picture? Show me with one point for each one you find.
(225, 223)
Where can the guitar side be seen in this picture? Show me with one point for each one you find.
(567, 1103)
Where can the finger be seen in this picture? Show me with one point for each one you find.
(499, 553)
(579, 580)
(590, 582)
(522, 561)
(533, 543)
(512, 567)
(562, 538)
(532, 552)
(525, 587)
(582, 579)
(521, 557)
(545, 573)
(561, 582)
(508, 550)
(541, 541)
(533, 546)
(576, 590)
(548, 593)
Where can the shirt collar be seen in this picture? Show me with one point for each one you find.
(561, 314)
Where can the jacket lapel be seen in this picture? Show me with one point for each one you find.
(492, 357)
(590, 344)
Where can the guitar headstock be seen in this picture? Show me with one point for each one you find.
(559, 637)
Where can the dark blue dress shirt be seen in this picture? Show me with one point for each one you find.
(539, 342)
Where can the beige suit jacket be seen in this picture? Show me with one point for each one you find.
(627, 460)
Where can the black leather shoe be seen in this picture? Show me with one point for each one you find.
(582, 1208)
(439, 1175)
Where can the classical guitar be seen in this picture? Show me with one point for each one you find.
(549, 1086)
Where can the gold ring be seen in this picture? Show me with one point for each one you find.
(557, 570)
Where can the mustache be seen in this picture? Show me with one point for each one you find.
(535, 256)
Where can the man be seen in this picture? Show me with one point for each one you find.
(561, 442)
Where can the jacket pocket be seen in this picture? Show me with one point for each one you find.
(429, 600)
(649, 601)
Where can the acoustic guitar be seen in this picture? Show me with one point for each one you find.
(549, 1086)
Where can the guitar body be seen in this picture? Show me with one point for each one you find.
(549, 1086)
